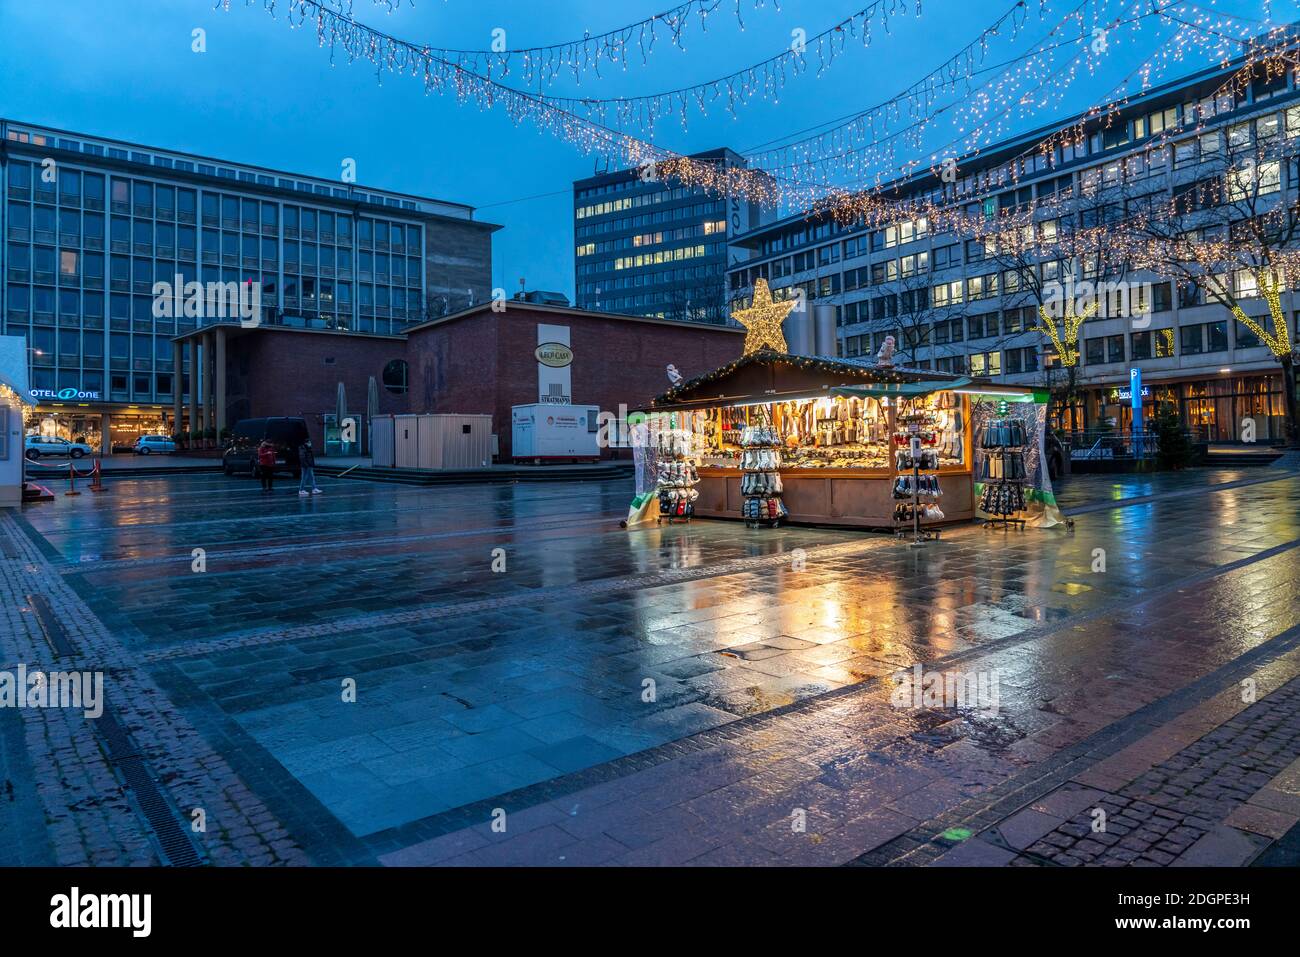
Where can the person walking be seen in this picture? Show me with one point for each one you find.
(307, 464)
(266, 464)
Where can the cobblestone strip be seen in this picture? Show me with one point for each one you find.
(1271, 663)
(1160, 817)
(87, 815)
(90, 819)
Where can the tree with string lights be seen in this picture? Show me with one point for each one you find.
(1058, 269)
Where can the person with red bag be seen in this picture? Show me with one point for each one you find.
(266, 464)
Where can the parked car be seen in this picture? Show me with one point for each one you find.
(38, 445)
(149, 444)
(285, 433)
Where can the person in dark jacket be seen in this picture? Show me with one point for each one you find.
(307, 460)
(266, 464)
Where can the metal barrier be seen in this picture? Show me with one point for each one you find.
(1094, 445)
(95, 475)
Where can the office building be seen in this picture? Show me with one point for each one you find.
(646, 247)
(92, 224)
(948, 303)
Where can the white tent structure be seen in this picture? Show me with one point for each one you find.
(13, 396)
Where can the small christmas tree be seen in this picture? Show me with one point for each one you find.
(1174, 449)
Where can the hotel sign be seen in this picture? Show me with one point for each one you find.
(65, 395)
(555, 355)
(1125, 393)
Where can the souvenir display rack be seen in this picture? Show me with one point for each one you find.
(677, 477)
(1002, 472)
(916, 489)
(760, 480)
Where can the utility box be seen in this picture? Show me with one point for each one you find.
(381, 442)
(433, 441)
(556, 432)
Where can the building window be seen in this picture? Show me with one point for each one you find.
(395, 377)
(1115, 348)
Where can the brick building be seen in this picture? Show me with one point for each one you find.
(477, 360)
(279, 370)
(480, 360)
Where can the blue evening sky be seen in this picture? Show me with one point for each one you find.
(265, 94)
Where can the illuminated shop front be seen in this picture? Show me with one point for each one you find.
(90, 423)
(1212, 410)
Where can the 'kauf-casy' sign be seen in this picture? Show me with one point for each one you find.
(554, 354)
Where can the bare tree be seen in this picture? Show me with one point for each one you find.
(706, 302)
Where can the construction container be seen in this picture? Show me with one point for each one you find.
(433, 441)
(542, 431)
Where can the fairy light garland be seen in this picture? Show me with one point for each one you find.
(869, 207)
(540, 66)
(893, 375)
(765, 80)
(1066, 340)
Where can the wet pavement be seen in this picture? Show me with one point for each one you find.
(378, 673)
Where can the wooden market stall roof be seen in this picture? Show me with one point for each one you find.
(778, 376)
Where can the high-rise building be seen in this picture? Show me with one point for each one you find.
(952, 304)
(91, 225)
(647, 247)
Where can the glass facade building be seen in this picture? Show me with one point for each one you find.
(647, 248)
(90, 225)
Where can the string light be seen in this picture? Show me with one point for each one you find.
(792, 185)
(893, 375)
(537, 66)
(765, 80)
(1066, 341)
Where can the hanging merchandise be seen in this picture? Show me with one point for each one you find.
(677, 475)
(1002, 470)
(760, 462)
(919, 440)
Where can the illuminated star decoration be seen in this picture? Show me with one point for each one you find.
(762, 320)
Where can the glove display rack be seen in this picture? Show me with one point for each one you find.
(677, 478)
(916, 488)
(760, 480)
(1001, 470)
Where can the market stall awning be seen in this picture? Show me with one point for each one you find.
(876, 390)
(13, 366)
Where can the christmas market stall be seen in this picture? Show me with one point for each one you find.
(774, 437)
